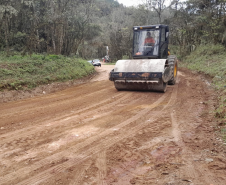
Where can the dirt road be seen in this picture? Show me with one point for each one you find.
(94, 134)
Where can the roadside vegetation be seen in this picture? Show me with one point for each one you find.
(25, 72)
(110, 63)
(210, 60)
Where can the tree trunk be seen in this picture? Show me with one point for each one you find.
(6, 35)
(53, 39)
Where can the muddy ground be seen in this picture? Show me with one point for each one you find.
(91, 133)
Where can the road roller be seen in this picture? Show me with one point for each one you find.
(152, 67)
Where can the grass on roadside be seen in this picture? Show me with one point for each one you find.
(211, 60)
(24, 72)
(113, 63)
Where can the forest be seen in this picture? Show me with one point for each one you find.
(84, 28)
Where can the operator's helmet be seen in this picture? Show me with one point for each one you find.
(148, 34)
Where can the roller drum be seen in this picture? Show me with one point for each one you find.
(143, 74)
(161, 86)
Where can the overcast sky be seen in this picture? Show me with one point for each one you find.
(136, 2)
(130, 2)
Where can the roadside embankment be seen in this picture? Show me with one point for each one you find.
(23, 72)
(210, 60)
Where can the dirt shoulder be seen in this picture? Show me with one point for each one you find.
(13, 95)
(91, 133)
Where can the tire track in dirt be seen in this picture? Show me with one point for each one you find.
(137, 155)
(191, 170)
(188, 172)
(177, 138)
(89, 141)
(25, 111)
(78, 176)
(61, 95)
(103, 144)
(86, 154)
(67, 94)
(9, 137)
(175, 130)
(65, 140)
(102, 168)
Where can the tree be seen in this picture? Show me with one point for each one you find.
(155, 5)
(7, 12)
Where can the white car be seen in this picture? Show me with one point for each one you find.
(96, 62)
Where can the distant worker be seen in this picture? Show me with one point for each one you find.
(149, 41)
(107, 59)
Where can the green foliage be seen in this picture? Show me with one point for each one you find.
(210, 49)
(175, 50)
(17, 72)
(112, 63)
(193, 24)
(125, 57)
(209, 59)
(65, 27)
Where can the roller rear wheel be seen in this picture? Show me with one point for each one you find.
(175, 68)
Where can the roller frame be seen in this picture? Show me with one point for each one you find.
(144, 75)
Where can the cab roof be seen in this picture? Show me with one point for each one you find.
(157, 26)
